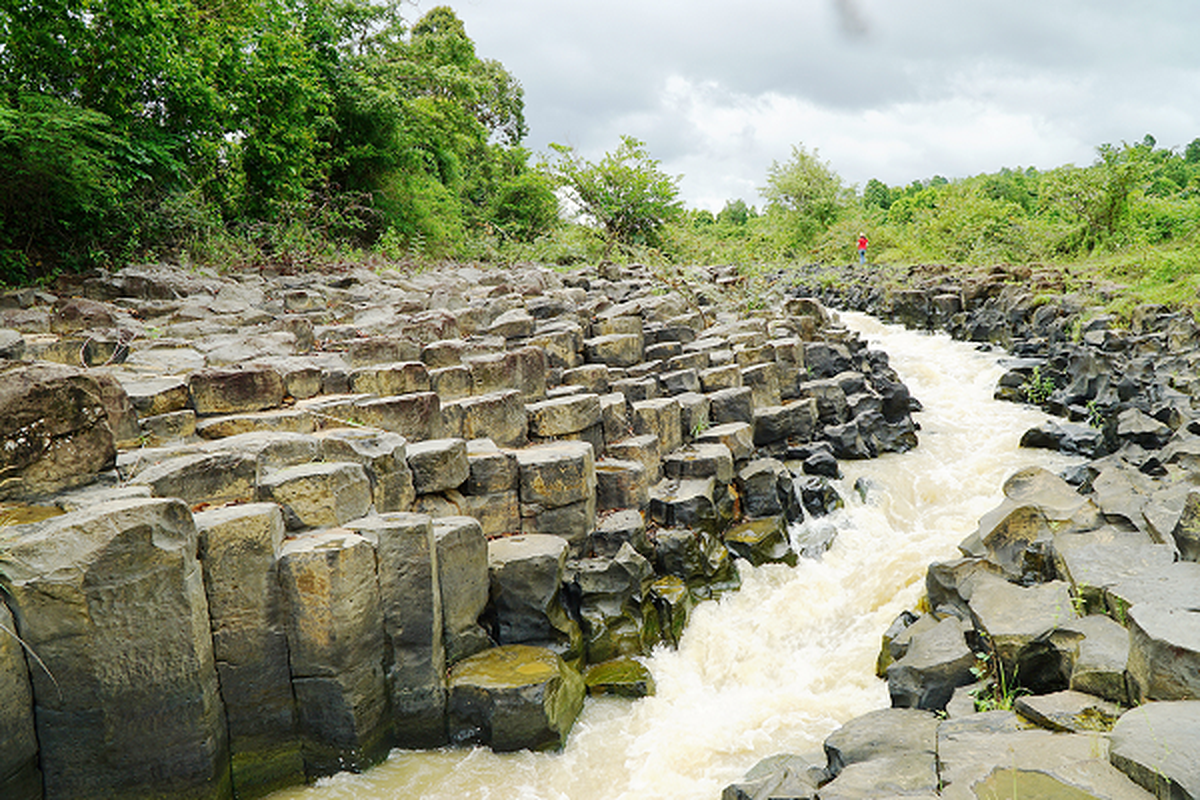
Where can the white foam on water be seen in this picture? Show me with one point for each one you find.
(780, 664)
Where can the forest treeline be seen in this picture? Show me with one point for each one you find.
(305, 131)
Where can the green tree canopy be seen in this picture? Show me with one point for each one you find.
(625, 193)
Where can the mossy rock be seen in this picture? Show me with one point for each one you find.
(514, 697)
(622, 677)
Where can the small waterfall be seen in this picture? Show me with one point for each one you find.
(779, 665)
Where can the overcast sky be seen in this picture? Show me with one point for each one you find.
(890, 89)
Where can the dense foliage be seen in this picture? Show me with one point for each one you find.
(269, 128)
(292, 131)
(625, 194)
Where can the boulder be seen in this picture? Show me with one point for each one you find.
(1020, 623)
(111, 598)
(1068, 711)
(1158, 746)
(615, 349)
(54, 429)
(619, 677)
(643, 449)
(1187, 531)
(779, 776)
(701, 460)
(411, 601)
(336, 645)
(888, 732)
(660, 418)
(416, 416)
(795, 422)
(668, 609)
(320, 494)
(398, 377)
(732, 405)
(1100, 660)
(500, 416)
(621, 484)
(738, 437)
(615, 529)
(563, 415)
(689, 503)
(514, 697)
(462, 564)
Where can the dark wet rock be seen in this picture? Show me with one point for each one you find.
(935, 662)
(514, 697)
(761, 541)
(1067, 437)
(526, 577)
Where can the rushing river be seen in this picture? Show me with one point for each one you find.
(780, 664)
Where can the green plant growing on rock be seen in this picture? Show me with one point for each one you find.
(997, 693)
(1095, 416)
(1038, 388)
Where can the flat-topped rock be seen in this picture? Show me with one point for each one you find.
(513, 698)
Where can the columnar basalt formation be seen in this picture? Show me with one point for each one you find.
(412, 509)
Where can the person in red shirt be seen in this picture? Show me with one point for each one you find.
(862, 248)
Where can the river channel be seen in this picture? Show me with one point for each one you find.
(779, 665)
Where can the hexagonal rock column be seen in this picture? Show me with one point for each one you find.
(415, 416)
(112, 600)
(1164, 653)
(382, 455)
(558, 491)
(659, 417)
(54, 432)
(335, 637)
(526, 577)
(575, 417)
(412, 618)
(220, 477)
(500, 416)
(936, 663)
(512, 698)
(1158, 746)
(462, 562)
(621, 484)
(238, 548)
(610, 593)
(438, 464)
(20, 777)
(321, 494)
(233, 391)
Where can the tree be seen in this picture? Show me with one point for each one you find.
(625, 193)
(805, 193)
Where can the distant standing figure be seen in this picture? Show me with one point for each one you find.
(862, 248)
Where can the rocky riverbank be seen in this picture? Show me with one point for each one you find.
(260, 528)
(1059, 654)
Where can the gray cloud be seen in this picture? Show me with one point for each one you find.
(895, 89)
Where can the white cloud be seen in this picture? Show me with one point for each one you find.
(718, 91)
